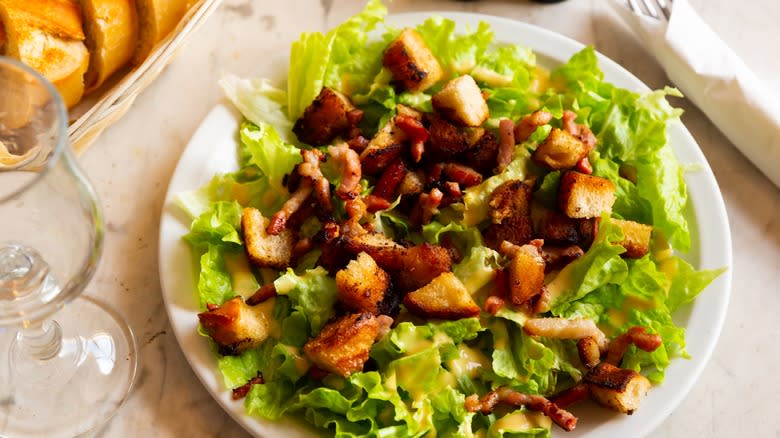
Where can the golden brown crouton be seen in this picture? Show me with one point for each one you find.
(325, 119)
(388, 143)
(362, 284)
(636, 238)
(617, 388)
(585, 196)
(448, 140)
(265, 250)
(514, 229)
(445, 297)
(388, 254)
(512, 198)
(526, 272)
(560, 150)
(557, 228)
(421, 264)
(235, 326)
(461, 102)
(413, 66)
(343, 345)
(482, 155)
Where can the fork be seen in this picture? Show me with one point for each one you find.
(651, 10)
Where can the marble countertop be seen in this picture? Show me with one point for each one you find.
(132, 162)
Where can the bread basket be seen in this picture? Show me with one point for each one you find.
(95, 115)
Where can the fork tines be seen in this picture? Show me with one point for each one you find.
(652, 8)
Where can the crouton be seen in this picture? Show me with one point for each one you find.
(560, 151)
(265, 250)
(585, 196)
(557, 228)
(461, 102)
(325, 119)
(617, 388)
(514, 229)
(446, 140)
(588, 228)
(412, 184)
(362, 284)
(526, 272)
(512, 198)
(343, 345)
(388, 254)
(445, 297)
(411, 62)
(387, 144)
(636, 238)
(482, 155)
(421, 264)
(235, 326)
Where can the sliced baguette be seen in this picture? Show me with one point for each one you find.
(111, 29)
(46, 35)
(156, 19)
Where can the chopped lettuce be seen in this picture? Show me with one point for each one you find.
(259, 102)
(420, 373)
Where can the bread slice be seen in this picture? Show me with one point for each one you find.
(461, 102)
(156, 19)
(585, 196)
(265, 250)
(411, 62)
(47, 36)
(111, 28)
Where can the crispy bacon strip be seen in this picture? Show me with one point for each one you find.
(584, 166)
(390, 180)
(358, 143)
(243, 390)
(310, 169)
(278, 221)
(506, 144)
(416, 132)
(529, 123)
(265, 292)
(351, 171)
(575, 394)
(375, 203)
(488, 402)
(494, 304)
(635, 335)
(562, 328)
(464, 175)
(427, 206)
(582, 132)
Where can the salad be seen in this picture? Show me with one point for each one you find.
(428, 234)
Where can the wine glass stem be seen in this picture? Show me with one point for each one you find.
(40, 342)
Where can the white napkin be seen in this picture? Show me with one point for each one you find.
(711, 75)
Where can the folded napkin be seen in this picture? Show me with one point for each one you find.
(711, 75)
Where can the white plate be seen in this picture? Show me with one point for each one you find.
(213, 149)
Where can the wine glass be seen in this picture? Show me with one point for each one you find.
(64, 377)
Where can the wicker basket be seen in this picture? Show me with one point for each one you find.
(115, 101)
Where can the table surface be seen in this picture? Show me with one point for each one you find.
(132, 163)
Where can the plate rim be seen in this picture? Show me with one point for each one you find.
(558, 47)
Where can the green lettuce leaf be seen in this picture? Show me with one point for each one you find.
(218, 226)
(344, 59)
(259, 102)
(313, 294)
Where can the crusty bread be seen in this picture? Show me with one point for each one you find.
(560, 150)
(585, 196)
(156, 19)
(636, 238)
(445, 297)
(362, 284)
(111, 29)
(47, 35)
(265, 250)
(411, 62)
(461, 102)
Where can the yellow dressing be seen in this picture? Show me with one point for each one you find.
(241, 276)
(521, 421)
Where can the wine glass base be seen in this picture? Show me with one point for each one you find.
(80, 389)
